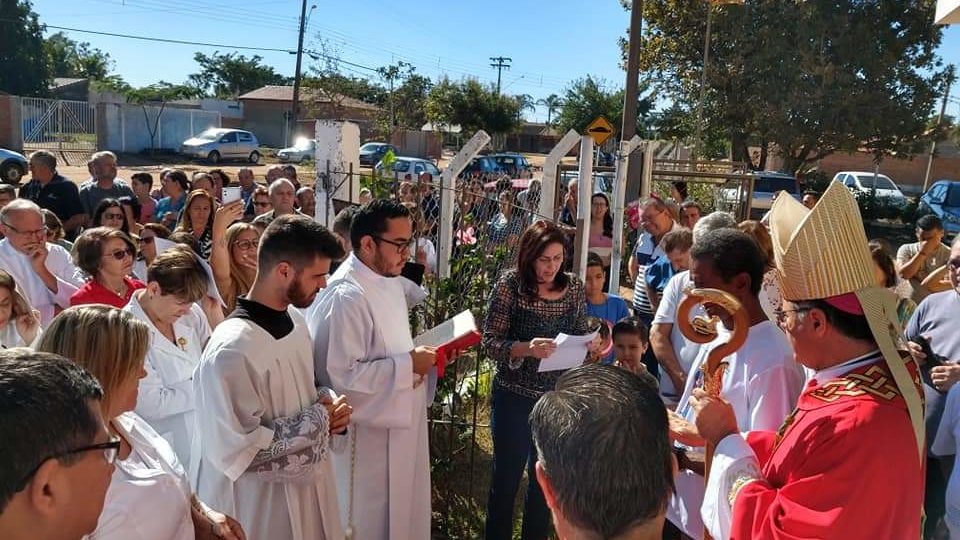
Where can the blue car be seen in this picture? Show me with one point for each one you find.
(943, 201)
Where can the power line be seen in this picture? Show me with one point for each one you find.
(166, 40)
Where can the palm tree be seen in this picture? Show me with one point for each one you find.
(524, 103)
(553, 104)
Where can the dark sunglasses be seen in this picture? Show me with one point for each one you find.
(112, 216)
(120, 254)
(147, 239)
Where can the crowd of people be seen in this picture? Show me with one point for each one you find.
(178, 364)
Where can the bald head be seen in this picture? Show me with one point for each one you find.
(282, 196)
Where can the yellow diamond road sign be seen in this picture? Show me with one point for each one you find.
(600, 129)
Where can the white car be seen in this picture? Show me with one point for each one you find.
(865, 182)
(408, 168)
(218, 144)
(302, 150)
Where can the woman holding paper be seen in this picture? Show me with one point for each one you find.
(529, 307)
(179, 329)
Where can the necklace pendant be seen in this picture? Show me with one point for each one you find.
(182, 343)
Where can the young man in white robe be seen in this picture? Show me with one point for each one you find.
(264, 427)
(762, 381)
(44, 272)
(363, 349)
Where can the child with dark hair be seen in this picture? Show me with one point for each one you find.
(608, 307)
(630, 340)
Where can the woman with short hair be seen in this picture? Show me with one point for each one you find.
(149, 497)
(106, 255)
(179, 330)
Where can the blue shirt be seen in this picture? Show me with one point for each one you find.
(614, 309)
(659, 273)
(167, 205)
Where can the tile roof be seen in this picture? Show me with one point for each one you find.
(285, 93)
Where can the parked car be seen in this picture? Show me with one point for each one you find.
(372, 152)
(513, 164)
(12, 166)
(217, 144)
(409, 168)
(943, 201)
(865, 182)
(766, 184)
(483, 165)
(302, 150)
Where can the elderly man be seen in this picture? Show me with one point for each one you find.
(307, 200)
(282, 199)
(936, 320)
(52, 191)
(43, 272)
(656, 221)
(848, 462)
(57, 454)
(604, 460)
(103, 183)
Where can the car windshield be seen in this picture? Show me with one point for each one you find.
(772, 184)
(882, 181)
(370, 147)
(953, 197)
(209, 135)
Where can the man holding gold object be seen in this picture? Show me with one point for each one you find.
(848, 462)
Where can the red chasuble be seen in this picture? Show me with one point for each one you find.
(845, 466)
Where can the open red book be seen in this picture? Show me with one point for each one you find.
(450, 336)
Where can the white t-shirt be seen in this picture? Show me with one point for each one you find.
(762, 382)
(947, 443)
(149, 494)
(684, 349)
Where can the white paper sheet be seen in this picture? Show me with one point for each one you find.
(447, 331)
(571, 352)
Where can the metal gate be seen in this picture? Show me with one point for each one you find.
(56, 124)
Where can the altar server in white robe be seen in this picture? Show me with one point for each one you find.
(264, 428)
(363, 349)
(43, 271)
(762, 380)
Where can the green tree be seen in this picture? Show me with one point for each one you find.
(553, 104)
(811, 78)
(410, 101)
(439, 105)
(525, 102)
(25, 71)
(68, 58)
(230, 75)
(587, 98)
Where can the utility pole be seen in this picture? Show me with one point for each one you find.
(947, 83)
(629, 122)
(500, 63)
(698, 140)
(295, 112)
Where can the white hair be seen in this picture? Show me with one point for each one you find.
(712, 222)
(19, 205)
(276, 183)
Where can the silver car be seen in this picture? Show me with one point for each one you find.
(218, 144)
(302, 150)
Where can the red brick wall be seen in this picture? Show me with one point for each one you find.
(907, 173)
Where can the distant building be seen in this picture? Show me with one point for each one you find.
(266, 110)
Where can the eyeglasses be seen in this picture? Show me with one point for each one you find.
(120, 254)
(111, 449)
(401, 245)
(258, 203)
(38, 232)
(112, 216)
(246, 245)
(147, 239)
(781, 314)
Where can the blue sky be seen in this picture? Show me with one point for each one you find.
(551, 42)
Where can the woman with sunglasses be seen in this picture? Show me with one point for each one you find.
(106, 255)
(233, 258)
(110, 213)
(149, 495)
(147, 242)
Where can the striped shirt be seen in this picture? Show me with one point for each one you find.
(646, 253)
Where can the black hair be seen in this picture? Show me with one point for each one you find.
(929, 222)
(134, 205)
(143, 178)
(297, 240)
(602, 441)
(371, 219)
(632, 326)
(594, 260)
(105, 205)
(607, 217)
(850, 325)
(731, 252)
(344, 219)
(45, 412)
